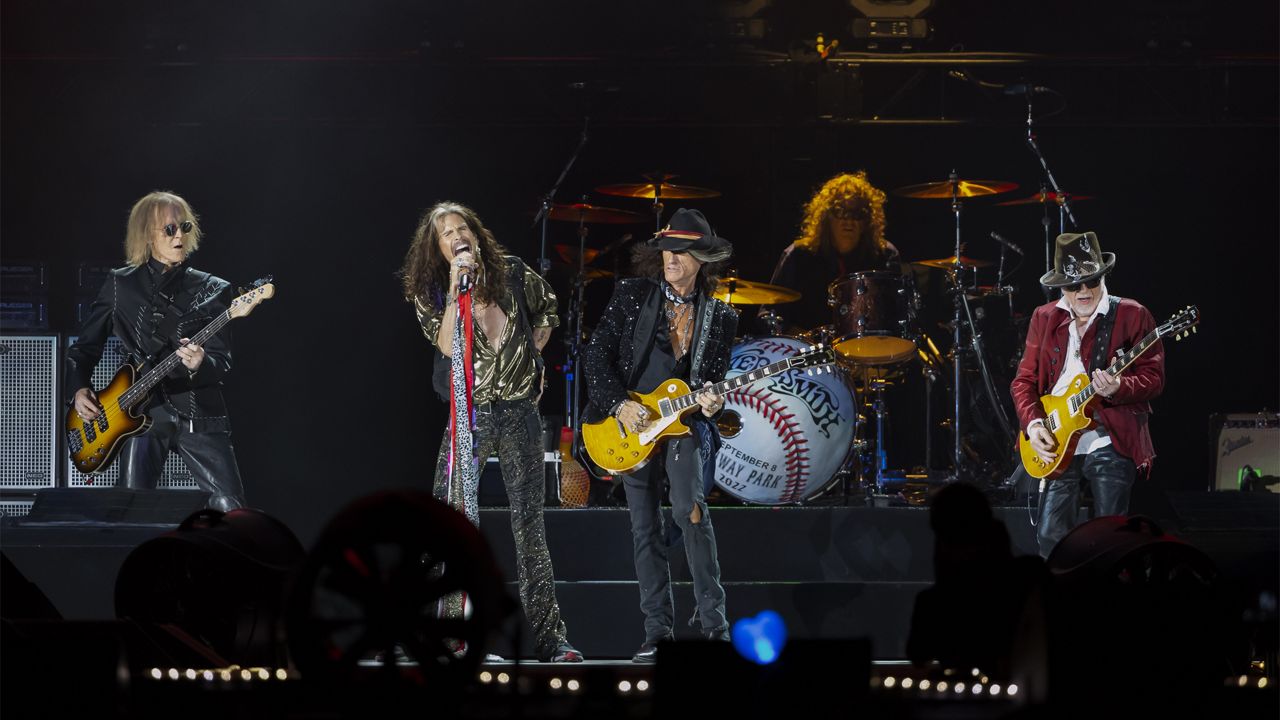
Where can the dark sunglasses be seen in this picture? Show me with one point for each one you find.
(844, 213)
(1075, 287)
(172, 228)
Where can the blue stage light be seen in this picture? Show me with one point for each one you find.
(760, 639)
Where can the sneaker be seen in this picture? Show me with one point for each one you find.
(564, 653)
(648, 652)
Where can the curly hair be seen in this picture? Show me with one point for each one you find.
(839, 192)
(646, 261)
(425, 273)
(143, 220)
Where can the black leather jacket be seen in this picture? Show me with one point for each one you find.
(150, 311)
(626, 331)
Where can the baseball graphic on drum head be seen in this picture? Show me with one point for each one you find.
(785, 437)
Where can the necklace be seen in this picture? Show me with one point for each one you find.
(679, 318)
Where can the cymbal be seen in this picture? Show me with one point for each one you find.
(595, 214)
(736, 291)
(569, 254)
(964, 188)
(588, 273)
(949, 262)
(1045, 198)
(659, 186)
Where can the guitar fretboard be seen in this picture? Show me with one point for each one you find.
(684, 402)
(1122, 361)
(142, 386)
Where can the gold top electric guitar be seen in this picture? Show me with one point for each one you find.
(1066, 414)
(93, 444)
(617, 449)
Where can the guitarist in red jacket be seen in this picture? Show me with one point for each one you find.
(1079, 334)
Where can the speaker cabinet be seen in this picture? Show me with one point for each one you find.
(28, 399)
(174, 476)
(1245, 440)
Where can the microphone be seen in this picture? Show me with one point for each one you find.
(464, 279)
(1024, 89)
(995, 236)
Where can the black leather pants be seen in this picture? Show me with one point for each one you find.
(208, 455)
(1110, 476)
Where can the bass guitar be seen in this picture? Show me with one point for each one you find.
(1066, 414)
(93, 444)
(617, 449)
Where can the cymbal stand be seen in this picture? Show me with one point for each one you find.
(573, 334)
(657, 203)
(957, 360)
(1063, 199)
(544, 213)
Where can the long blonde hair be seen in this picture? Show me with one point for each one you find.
(840, 191)
(142, 224)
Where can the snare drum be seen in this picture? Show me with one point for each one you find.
(784, 437)
(873, 314)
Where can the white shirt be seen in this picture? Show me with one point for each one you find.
(1097, 436)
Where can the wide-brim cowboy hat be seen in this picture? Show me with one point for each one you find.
(1077, 258)
(690, 232)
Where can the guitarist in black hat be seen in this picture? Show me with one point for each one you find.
(659, 326)
(1078, 334)
(153, 305)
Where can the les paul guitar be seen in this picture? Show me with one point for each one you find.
(93, 444)
(615, 448)
(1066, 414)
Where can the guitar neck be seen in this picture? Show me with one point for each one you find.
(1121, 363)
(143, 385)
(684, 402)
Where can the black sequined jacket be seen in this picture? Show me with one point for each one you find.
(611, 360)
(150, 312)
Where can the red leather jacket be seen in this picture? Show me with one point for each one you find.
(1124, 414)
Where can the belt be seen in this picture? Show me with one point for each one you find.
(488, 408)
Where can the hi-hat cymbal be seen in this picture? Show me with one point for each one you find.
(595, 214)
(963, 188)
(744, 292)
(657, 186)
(1051, 197)
(949, 262)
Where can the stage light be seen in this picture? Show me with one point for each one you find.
(486, 677)
(156, 674)
(556, 683)
(890, 681)
(977, 689)
(503, 678)
(207, 675)
(924, 685)
(624, 687)
(246, 675)
(282, 674)
(173, 674)
(907, 683)
(1011, 690)
(643, 685)
(760, 639)
(995, 689)
(573, 686)
(1262, 682)
(190, 674)
(942, 686)
(959, 688)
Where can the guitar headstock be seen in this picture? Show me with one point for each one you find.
(817, 358)
(1182, 324)
(262, 289)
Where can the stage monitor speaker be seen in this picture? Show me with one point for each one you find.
(174, 475)
(71, 507)
(28, 398)
(1246, 451)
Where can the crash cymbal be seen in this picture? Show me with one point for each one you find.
(947, 263)
(744, 292)
(595, 214)
(964, 188)
(659, 186)
(569, 254)
(1045, 198)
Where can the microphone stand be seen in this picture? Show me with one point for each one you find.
(544, 264)
(1063, 200)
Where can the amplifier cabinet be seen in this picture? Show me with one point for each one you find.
(28, 403)
(1245, 440)
(174, 475)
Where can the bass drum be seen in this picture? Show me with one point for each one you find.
(786, 437)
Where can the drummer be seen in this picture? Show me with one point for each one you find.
(842, 232)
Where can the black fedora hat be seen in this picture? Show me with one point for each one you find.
(1077, 258)
(688, 231)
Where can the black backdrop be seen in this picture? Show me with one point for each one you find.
(330, 392)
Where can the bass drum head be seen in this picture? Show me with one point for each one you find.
(785, 437)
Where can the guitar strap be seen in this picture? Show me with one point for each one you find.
(1102, 341)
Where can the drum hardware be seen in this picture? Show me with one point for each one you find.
(953, 187)
(1049, 186)
(947, 263)
(658, 189)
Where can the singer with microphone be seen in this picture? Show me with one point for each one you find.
(1079, 333)
(489, 315)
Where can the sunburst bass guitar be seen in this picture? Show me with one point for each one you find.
(1066, 415)
(93, 444)
(617, 449)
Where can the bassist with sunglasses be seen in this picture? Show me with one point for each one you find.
(155, 304)
(1079, 334)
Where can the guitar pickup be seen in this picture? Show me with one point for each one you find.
(90, 433)
(74, 442)
(102, 421)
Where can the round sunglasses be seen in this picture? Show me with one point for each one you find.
(172, 228)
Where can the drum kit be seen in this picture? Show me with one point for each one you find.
(795, 437)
